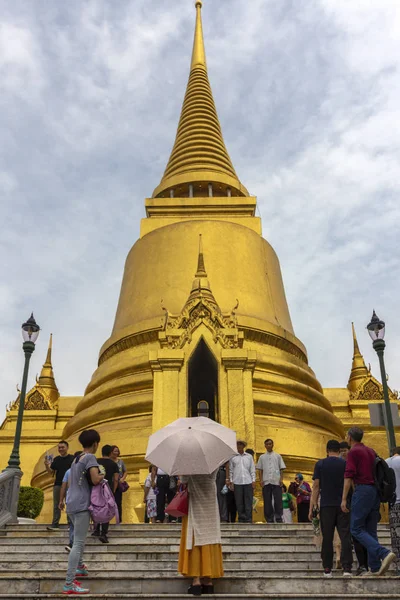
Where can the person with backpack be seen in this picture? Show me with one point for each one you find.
(85, 474)
(361, 469)
(394, 507)
(110, 470)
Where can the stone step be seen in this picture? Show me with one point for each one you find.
(239, 527)
(229, 526)
(248, 528)
(114, 546)
(176, 535)
(151, 533)
(49, 538)
(117, 572)
(39, 566)
(109, 555)
(119, 538)
(118, 596)
(240, 583)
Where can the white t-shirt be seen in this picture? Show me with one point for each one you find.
(151, 495)
(271, 464)
(394, 463)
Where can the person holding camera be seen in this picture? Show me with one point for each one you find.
(57, 468)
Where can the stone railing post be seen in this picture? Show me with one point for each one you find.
(10, 480)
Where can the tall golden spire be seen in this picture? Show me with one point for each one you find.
(199, 164)
(358, 369)
(46, 379)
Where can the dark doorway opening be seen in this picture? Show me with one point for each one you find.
(203, 383)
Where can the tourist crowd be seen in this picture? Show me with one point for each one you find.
(345, 497)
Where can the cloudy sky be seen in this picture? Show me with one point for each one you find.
(308, 94)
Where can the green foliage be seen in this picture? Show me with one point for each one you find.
(30, 502)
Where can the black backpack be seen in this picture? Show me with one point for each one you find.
(385, 480)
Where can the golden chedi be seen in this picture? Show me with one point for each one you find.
(203, 329)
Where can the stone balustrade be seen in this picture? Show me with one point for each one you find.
(10, 480)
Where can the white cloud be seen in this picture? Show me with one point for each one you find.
(308, 97)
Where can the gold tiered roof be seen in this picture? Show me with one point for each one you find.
(199, 156)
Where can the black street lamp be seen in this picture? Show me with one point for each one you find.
(376, 330)
(30, 332)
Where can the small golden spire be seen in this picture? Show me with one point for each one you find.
(199, 158)
(199, 53)
(358, 369)
(201, 268)
(46, 378)
(201, 285)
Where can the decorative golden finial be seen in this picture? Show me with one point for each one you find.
(358, 369)
(201, 268)
(355, 342)
(199, 53)
(49, 349)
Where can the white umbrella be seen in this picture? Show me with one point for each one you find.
(191, 446)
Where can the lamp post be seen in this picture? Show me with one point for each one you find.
(30, 332)
(376, 330)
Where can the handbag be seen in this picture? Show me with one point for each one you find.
(123, 486)
(179, 505)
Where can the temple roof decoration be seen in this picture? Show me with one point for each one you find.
(371, 389)
(199, 156)
(362, 384)
(44, 395)
(358, 369)
(200, 308)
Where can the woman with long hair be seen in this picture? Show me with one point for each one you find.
(150, 494)
(115, 455)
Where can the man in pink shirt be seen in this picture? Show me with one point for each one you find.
(365, 504)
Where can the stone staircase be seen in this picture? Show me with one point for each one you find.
(261, 561)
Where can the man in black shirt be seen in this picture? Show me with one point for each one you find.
(111, 473)
(329, 480)
(58, 467)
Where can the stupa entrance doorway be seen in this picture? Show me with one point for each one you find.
(203, 383)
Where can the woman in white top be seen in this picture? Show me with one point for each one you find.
(200, 553)
(150, 494)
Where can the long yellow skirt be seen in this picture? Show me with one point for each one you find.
(201, 561)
